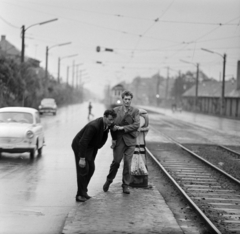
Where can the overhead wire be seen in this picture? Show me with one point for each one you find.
(155, 21)
(209, 32)
(127, 16)
(8, 23)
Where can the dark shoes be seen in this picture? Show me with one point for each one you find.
(126, 190)
(81, 199)
(87, 196)
(106, 186)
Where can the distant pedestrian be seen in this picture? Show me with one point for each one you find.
(124, 135)
(174, 107)
(90, 110)
(85, 146)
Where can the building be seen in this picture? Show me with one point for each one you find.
(10, 51)
(209, 98)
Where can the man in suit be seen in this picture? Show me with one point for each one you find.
(85, 146)
(124, 135)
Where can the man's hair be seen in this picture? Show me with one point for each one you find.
(110, 112)
(127, 93)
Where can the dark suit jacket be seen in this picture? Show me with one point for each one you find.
(131, 125)
(91, 138)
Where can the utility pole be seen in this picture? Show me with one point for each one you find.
(224, 56)
(59, 59)
(46, 66)
(196, 92)
(223, 85)
(77, 76)
(23, 35)
(167, 84)
(177, 95)
(23, 44)
(67, 74)
(47, 52)
(73, 68)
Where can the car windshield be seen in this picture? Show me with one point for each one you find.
(17, 117)
(47, 101)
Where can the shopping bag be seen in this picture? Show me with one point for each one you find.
(138, 167)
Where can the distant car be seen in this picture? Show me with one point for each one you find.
(48, 105)
(21, 131)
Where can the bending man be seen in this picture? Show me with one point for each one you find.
(85, 146)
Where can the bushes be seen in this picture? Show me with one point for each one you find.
(25, 85)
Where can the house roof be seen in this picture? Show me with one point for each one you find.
(214, 89)
(6, 48)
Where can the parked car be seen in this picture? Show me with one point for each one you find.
(21, 131)
(48, 105)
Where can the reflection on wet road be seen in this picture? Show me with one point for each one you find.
(36, 195)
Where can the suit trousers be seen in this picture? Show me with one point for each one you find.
(121, 151)
(83, 181)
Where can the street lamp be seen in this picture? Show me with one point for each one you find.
(47, 50)
(197, 77)
(59, 61)
(23, 35)
(224, 56)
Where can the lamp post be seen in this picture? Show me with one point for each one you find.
(197, 78)
(224, 56)
(59, 62)
(23, 35)
(77, 76)
(47, 51)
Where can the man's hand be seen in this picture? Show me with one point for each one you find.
(113, 144)
(117, 128)
(82, 162)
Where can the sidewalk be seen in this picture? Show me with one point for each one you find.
(143, 211)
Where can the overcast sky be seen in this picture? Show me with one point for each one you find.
(147, 36)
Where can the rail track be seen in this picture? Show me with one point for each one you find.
(212, 192)
(229, 149)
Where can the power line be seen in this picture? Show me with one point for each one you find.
(130, 17)
(155, 21)
(5, 21)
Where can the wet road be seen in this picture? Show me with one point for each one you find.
(36, 195)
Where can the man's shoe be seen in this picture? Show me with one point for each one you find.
(81, 199)
(126, 190)
(87, 196)
(106, 186)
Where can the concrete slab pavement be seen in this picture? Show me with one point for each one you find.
(143, 211)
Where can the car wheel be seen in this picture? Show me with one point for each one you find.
(32, 153)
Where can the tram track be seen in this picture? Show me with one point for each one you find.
(230, 149)
(212, 192)
(225, 157)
